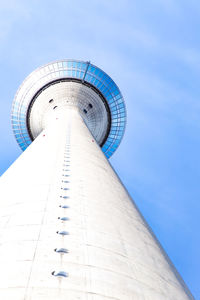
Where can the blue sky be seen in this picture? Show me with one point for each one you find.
(151, 48)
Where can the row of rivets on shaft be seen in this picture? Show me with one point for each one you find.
(63, 219)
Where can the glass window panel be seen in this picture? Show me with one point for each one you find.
(69, 73)
(106, 91)
(90, 69)
(102, 87)
(114, 111)
(118, 97)
(101, 74)
(15, 110)
(99, 84)
(69, 64)
(109, 96)
(55, 66)
(109, 139)
(121, 105)
(22, 144)
(96, 71)
(79, 65)
(92, 79)
(83, 66)
(14, 118)
(109, 153)
(112, 104)
(88, 77)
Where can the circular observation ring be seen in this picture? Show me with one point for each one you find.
(69, 69)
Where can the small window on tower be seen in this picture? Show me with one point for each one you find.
(90, 105)
(55, 107)
(61, 250)
(59, 274)
(64, 206)
(85, 111)
(51, 100)
(63, 218)
(63, 232)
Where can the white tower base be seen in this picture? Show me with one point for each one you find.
(112, 254)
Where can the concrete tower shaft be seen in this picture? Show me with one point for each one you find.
(69, 229)
(66, 197)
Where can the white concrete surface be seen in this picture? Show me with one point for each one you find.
(112, 254)
(64, 94)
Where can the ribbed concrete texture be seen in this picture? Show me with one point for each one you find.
(64, 211)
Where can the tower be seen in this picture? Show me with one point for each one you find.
(69, 229)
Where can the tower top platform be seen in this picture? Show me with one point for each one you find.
(63, 83)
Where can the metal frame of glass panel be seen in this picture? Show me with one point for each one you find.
(84, 71)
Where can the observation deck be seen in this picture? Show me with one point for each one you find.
(70, 83)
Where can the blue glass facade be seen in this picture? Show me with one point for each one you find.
(70, 69)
